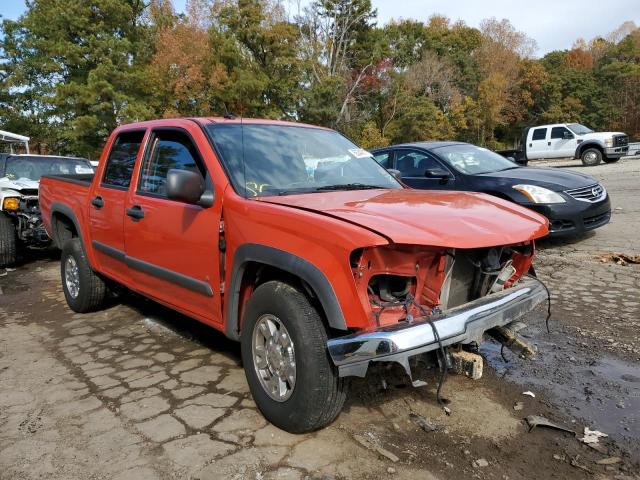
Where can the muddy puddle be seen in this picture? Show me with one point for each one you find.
(598, 391)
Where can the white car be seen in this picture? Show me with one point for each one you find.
(572, 140)
(20, 221)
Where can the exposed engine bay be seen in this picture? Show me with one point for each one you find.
(402, 282)
(24, 210)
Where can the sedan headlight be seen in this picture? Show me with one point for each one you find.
(608, 142)
(11, 204)
(539, 194)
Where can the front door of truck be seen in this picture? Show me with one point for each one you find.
(562, 143)
(172, 246)
(107, 204)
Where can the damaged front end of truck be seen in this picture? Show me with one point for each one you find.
(430, 299)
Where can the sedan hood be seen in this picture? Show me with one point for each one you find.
(551, 178)
(444, 219)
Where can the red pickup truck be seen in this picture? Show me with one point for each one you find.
(292, 240)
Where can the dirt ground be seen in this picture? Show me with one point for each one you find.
(139, 392)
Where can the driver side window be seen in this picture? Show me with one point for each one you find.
(170, 149)
(413, 163)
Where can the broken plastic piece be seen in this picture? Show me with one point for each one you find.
(529, 393)
(423, 423)
(539, 421)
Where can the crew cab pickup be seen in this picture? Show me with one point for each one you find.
(569, 140)
(295, 242)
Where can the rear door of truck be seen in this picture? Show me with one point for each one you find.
(107, 203)
(537, 143)
(173, 247)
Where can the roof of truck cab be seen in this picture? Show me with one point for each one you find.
(202, 121)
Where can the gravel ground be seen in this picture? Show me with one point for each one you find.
(139, 392)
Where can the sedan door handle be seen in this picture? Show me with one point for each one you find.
(97, 202)
(135, 212)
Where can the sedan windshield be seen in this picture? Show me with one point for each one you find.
(34, 167)
(579, 129)
(473, 160)
(281, 159)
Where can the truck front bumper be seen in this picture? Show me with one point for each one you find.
(616, 152)
(463, 324)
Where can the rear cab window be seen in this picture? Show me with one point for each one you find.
(121, 160)
(539, 134)
(168, 149)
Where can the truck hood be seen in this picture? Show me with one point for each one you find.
(19, 184)
(442, 218)
(551, 178)
(599, 135)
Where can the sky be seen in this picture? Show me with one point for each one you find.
(553, 24)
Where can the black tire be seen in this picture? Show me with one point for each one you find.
(591, 157)
(8, 242)
(92, 290)
(319, 393)
(610, 160)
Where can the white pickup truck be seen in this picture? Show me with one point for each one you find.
(572, 140)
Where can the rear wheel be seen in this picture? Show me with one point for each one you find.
(8, 241)
(591, 157)
(610, 160)
(284, 352)
(83, 289)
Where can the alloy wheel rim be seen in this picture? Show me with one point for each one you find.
(72, 277)
(590, 156)
(274, 357)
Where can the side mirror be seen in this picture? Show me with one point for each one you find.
(436, 173)
(567, 136)
(396, 173)
(188, 186)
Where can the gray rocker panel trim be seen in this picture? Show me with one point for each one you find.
(162, 273)
(288, 262)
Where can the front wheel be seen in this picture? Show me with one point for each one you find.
(8, 241)
(284, 352)
(591, 157)
(83, 289)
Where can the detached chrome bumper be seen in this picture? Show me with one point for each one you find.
(462, 324)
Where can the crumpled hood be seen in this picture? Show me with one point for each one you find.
(19, 184)
(435, 218)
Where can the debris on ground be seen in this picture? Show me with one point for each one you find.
(539, 421)
(529, 393)
(423, 423)
(609, 461)
(518, 406)
(560, 458)
(619, 258)
(574, 463)
(481, 462)
(447, 410)
(592, 436)
(369, 445)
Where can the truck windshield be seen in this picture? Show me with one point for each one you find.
(282, 159)
(473, 160)
(34, 167)
(579, 129)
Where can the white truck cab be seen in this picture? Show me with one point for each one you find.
(572, 140)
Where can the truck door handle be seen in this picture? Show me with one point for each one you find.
(135, 212)
(549, 143)
(97, 202)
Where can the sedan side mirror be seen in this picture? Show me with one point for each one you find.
(188, 186)
(567, 136)
(436, 173)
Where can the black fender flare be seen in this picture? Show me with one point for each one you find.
(290, 263)
(589, 143)
(67, 212)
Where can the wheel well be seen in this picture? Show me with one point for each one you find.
(588, 146)
(62, 228)
(256, 274)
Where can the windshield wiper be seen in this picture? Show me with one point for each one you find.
(348, 186)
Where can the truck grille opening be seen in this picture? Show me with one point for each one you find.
(391, 288)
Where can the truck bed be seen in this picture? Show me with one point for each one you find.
(67, 194)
